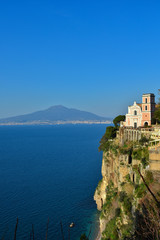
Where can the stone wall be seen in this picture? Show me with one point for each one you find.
(154, 160)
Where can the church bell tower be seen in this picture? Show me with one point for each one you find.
(148, 108)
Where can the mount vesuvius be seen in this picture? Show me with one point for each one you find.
(56, 115)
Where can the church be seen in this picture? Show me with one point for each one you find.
(141, 114)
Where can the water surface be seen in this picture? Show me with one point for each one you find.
(49, 172)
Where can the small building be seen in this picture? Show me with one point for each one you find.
(140, 115)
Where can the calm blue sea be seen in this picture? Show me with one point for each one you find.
(49, 172)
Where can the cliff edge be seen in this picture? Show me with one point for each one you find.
(128, 195)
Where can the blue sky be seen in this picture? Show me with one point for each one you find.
(97, 56)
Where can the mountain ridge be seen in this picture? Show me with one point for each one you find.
(55, 114)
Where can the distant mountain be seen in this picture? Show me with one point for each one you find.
(55, 114)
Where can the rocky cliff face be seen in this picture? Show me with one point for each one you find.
(120, 192)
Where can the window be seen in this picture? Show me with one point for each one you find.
(135, 112)
(135, 125)
(146, 108)
(145, 100)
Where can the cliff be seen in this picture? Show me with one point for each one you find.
(122, 195)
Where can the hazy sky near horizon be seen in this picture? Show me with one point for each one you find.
(97, 56)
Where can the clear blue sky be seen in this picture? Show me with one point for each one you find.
(97, 56)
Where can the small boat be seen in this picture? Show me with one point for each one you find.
(72, 225)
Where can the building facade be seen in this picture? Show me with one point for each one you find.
(140, 115)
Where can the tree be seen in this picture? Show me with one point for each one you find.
(159, 97)
(157, 114)
(148, 224)
(156, 117)
(118, 119)
(110, 132)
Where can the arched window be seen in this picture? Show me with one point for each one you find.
(135, 112)
(146, 108)
(146, 124)
(146, 100)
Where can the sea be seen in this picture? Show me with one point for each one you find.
(48, 176)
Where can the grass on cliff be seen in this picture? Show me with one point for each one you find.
(142, 154)
(111, 230)
(109, 135)
(126, 202)
(115, 229)
(98, 187)
(111, 193)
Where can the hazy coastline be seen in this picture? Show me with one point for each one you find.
(53, 123)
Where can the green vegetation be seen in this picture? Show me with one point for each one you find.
(149, 177)
(115, 224)
(118, 119)
(110, 232)
(126, 232)
(127, 148)
(122, 195)
(156, 117)
(126, 202)
(110, 133)
(118, 206)
(145, 157)
(143, 140)
(137, 154)
(140, 190)
(141, 153)
(114, 148)
(111, 193)
(157, 114)
(117, 212)
(128, 179)
(137, 175)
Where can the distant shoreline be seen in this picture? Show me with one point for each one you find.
(54, 123)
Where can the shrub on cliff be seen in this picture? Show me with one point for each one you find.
(149, 177)
(141, 154)
(126, 201)
(110, 232)
(143, 140)
(127, 148)
(109, 134)
(140, 190)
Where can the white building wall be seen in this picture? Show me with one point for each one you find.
(132, 118)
